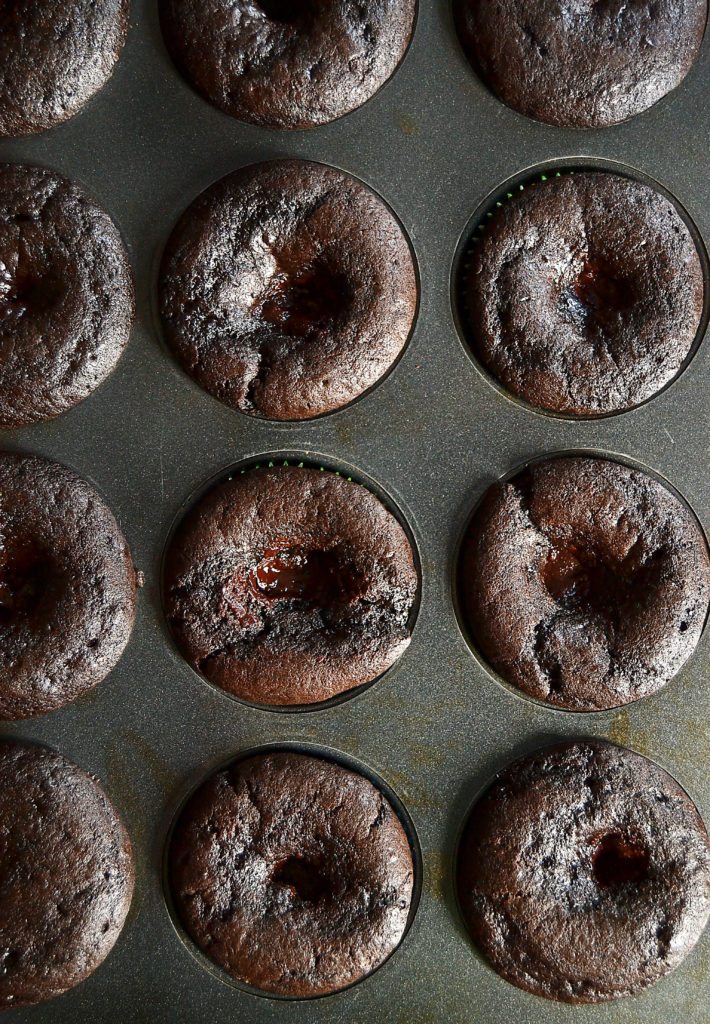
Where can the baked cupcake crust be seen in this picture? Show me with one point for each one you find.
(54, 57)
(584, 293)
(291, 873)
(581, 65)
(290, 586)
(584, 583)
(67, 587)
(287, 63)
(66, 295)
(584, 873)
(287, 289)
(67, 870)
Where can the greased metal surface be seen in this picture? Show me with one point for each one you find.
(434, 143)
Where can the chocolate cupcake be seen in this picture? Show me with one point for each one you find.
(584, 873)
(67, 587)
(66, 294)
(287, 585)
(67, 875)
(581, 65)
(54, 57)
(583, 294)
(291, 873)
(584, 583)
(287, 63)
(287, 290)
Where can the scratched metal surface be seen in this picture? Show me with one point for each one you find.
(434, 143)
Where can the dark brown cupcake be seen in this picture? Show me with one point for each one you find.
(287, 289)
(581, 65)
(290, 586)
(66, 295)
(67, 587)
(291, 873)
(584, 583)
(67, 875)
(54, 57)
(287, 63)
(584, 294)
(584, 873)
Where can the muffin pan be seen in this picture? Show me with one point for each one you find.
(434, 143)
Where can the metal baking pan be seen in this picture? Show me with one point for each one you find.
(435, 144)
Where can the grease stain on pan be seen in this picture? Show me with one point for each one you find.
(124, 750)
(345, 434)
(435, 872)
(408, 126)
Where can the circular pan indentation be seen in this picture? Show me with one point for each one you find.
(580, 67)
(55, 58)
(326, 754)
(67, 294)
(611, 842)
(325, 464)
(455, 569)
(68, 586)
(313, 295)
(290, 66)
(68, 872)
(505, 193)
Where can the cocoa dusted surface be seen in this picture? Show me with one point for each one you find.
(287, 289)
(581, 63)
(66, 295)
(67, 587)
(67, 875)
(54, 57)
(292, 873)
(584, 294)
(584, 583)
(290, 586)
(584, 873)
(287, 63)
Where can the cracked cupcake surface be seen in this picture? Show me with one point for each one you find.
(66, 295)
(287, 63)
(67, 587)
(584, 293)
(67, 875)
(584, 583)
(291, 873)
(584, 873)
(290, 586)
(287, 290)
(54, 57)
(581, 63)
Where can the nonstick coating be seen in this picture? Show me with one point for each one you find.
(434, 143)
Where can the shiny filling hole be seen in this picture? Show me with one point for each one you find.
(619, 861)
(305, 300)
(318, 577)
(303, 877)
(599, 293)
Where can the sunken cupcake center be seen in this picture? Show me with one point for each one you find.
(303, 877)
(24, 290)
(574, 576)
(618, 860)
(579, 577)
(600, 293)
(320, 578)
(288, 12)
(305, 300)
(24, 575)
